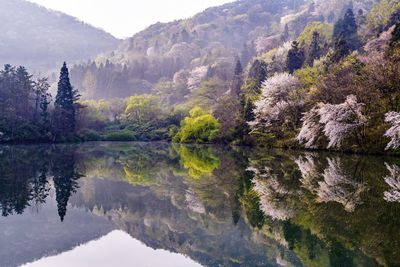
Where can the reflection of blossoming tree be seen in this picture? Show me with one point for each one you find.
(273, 195)
(393, 180)
(339, 187)
(309, 171)
(194, 203)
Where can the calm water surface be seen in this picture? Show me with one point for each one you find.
(141, 204)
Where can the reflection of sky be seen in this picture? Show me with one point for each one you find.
(115, 249)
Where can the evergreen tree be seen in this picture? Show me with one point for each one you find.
(64, 121)
(237, 80)
(42, 101)
(251, 89)
(345, 36)
(295, 58)
(258, 73)
(314, 49)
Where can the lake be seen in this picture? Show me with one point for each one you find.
(159, 204)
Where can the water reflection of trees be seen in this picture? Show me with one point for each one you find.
(393, 180)
(330, 216)
(25, 173)
(221, 205)
(65, 176)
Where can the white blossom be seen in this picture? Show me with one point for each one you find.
(342, 120)
(272, 198)
(339, 187)
(394, 131)
(273, 195)
(393, 180)
(309, 171)
(276, 100)
(196, 76)
(337, 122)
(193, 203)
(312, 129)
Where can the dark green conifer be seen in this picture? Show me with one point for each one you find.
(314, 51)
(295, 58)
(345, 36)
(64, 120)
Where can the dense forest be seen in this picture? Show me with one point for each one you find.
(294, 74)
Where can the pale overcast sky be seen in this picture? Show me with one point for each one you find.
(123, 18)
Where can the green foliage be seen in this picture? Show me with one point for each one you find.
(380, 14)
(124, 135)
(142, 108)
(198, 162)
(323, 29)
(24, 114)
(89, 135)
(138, 177)
(199, 127)
(309, 76)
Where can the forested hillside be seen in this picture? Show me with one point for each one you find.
(295, 74)
(162, 57)
(41, 39)
(168, 52)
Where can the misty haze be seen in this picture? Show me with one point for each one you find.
(199, 133)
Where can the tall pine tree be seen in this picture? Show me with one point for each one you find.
(237, 80)
(64, 121)
(295, 58)
(314, 51)
(345, 36)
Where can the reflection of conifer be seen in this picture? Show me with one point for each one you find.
(65, 178)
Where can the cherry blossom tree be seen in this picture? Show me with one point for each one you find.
(393, 118)
(312, 129)
(336, 122)
(279, 103)
(196, 76)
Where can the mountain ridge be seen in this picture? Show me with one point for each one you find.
(41, 38)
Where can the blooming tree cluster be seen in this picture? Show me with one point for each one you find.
(196, 76)
(336, 122)
(278, 101)
(393, 118)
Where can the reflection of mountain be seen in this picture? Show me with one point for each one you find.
(117, 248)
(162, 220)
(31, 236)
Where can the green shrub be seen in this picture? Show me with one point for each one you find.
(124, 135)
(199, 127)
(89, 135)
